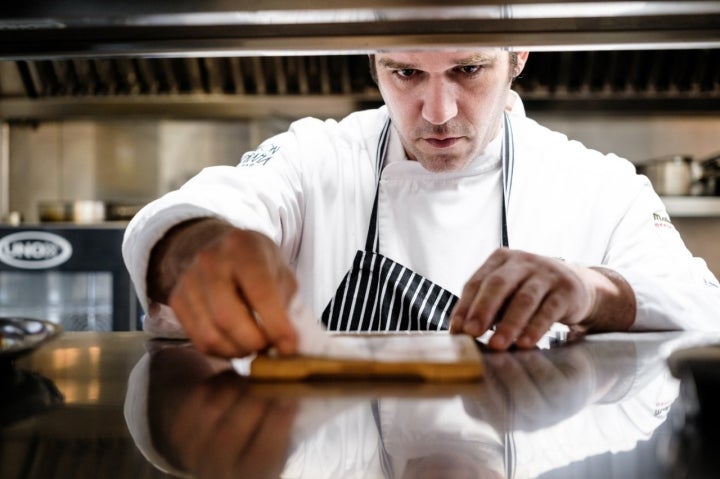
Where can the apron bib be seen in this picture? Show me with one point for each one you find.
(379, 294)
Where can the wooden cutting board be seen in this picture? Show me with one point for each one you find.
(437, 357)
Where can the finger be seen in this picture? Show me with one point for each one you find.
(225, 325)
(193, 313)
(520, 308)
(459, 317)
(268, 297)
(493, 296)
(233, 318)
(553, 309)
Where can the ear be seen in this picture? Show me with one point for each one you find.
(521, 61)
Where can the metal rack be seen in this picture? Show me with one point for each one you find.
(85, 28)
(692, 206)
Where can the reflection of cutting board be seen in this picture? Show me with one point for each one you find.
(440, 357)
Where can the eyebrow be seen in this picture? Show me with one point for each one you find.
(474, 59)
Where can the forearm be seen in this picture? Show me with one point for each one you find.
(176, 250)
(615, 305)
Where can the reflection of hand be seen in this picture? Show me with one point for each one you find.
(542, 387)
(209, 424)
(523, 294)
(545, 386)
(229, 288)
(221, 431)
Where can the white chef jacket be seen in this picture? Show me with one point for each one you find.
(311, 190)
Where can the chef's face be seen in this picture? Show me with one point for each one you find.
(446, 105)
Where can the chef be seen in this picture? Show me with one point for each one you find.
(447, 208)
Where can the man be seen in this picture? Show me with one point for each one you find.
(471, 218)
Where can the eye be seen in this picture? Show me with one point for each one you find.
(406, 73)
(469, 69)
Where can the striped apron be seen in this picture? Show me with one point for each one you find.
(378, 294)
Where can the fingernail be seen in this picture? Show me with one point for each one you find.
(473, 328)
(524, 342)
(456, 323)
(285, 346)
(499, 341)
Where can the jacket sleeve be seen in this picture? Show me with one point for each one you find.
(263, 192)
(291, 188)
(674, 290)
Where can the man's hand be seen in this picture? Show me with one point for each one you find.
(523, 294)
(229, 288)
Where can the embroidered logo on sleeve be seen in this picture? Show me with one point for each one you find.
(662, 220)
(260, 156)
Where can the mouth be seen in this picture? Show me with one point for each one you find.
(442, 142)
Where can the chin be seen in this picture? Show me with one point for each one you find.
(443, 164)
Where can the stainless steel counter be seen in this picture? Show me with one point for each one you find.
(97, 404)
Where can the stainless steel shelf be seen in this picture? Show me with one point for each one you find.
(85, 28)
(692, 206)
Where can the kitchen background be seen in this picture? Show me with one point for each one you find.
(76, 147)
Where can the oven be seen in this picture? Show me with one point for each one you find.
(72, 275)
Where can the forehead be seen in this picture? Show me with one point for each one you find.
(436, 60)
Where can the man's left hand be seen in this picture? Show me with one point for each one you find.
(523, 294)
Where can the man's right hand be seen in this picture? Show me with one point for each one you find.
(229, 288)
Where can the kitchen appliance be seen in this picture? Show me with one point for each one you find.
(80, 211)
(241, 59)
(673, 175)
(683, 175)
(71, 275)
(711, 174)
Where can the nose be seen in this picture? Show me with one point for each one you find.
(439, 102)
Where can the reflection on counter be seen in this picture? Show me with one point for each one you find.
(693, 444)
(572, 411)
(87, 392)
(68, 422)
(25, 394)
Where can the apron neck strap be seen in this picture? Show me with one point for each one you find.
(508, 162)
(372, 242)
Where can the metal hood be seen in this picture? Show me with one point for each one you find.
(230, 58)
(75, 28)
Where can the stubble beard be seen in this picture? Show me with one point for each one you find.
(439, 161)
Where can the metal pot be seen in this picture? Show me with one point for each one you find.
(81, 211)
(711, 175)
(673, 175)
